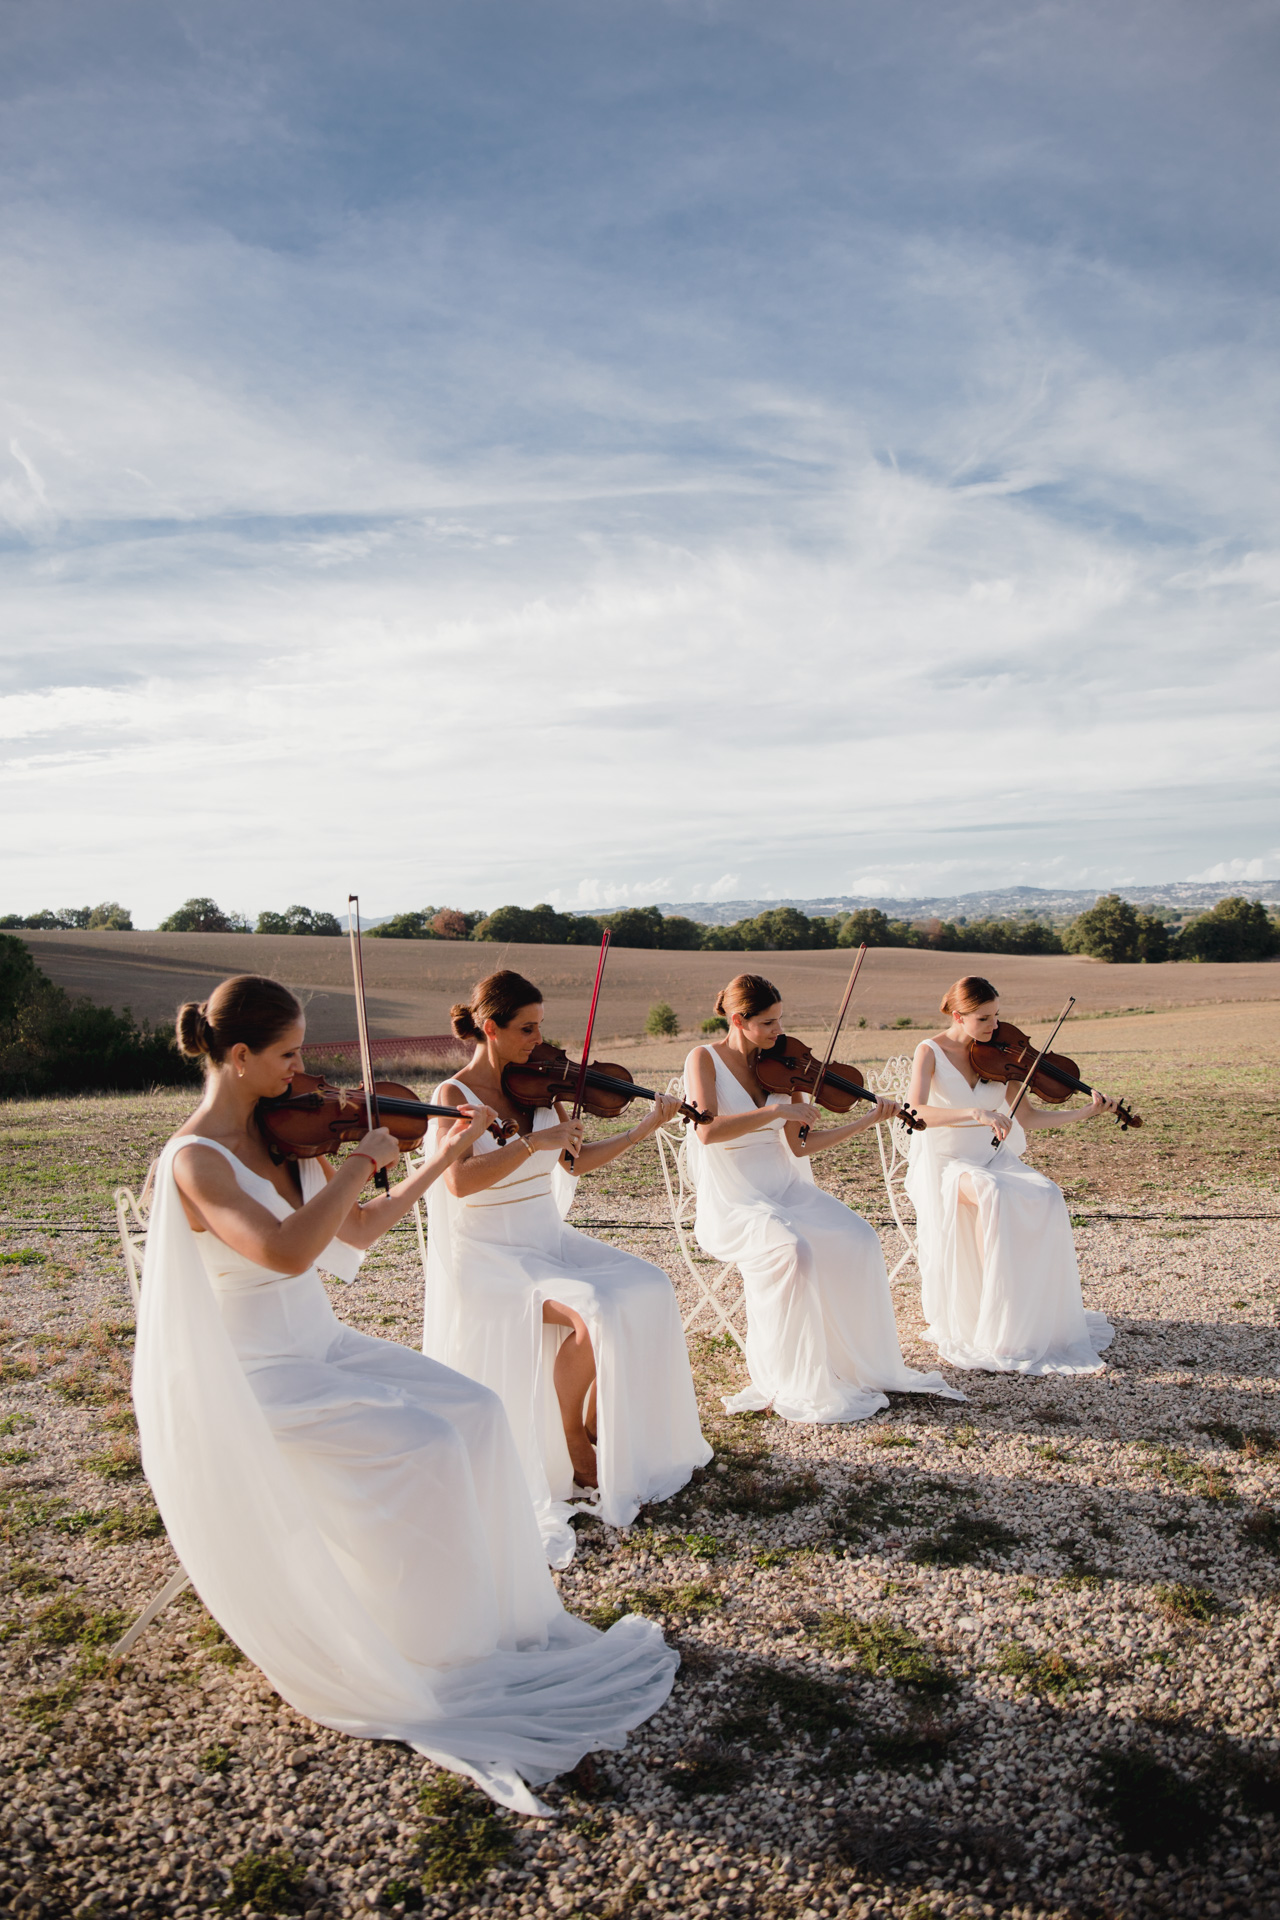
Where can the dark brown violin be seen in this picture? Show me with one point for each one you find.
(315, 1118)
(1008, 1055)
(788, 1066)
(549, 1075)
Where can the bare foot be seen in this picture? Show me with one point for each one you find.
(583, 1456)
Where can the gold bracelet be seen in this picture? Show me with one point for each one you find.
(527, 1145)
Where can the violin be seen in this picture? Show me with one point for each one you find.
(549, 1075)
(788, 1066)
(314, 1118)
(1008, 1055)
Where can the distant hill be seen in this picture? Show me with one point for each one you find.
(999, 903)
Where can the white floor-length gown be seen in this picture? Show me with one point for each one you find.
(355, 1517)
(493, 1259)
(999, 1284)
(822, 1342)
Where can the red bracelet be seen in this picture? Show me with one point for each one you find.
(356, 1154)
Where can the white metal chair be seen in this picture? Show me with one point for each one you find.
(132, 1212)
(720, 1294)
(893, 1140)
(131, 1222)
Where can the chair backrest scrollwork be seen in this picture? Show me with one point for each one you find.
(894, 1141)
(132, 1214)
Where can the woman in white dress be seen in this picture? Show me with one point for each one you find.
(353, 1514)
(999, 1280)
(581, 1341)
(822, 1343)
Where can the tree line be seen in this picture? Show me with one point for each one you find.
(51, 1043)
(1112, 929)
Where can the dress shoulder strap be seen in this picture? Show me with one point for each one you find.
(178, 1141)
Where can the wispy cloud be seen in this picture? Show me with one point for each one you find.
(667, 443)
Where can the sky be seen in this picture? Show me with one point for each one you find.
(627, 450)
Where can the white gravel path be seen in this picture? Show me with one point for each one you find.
(1055, 1571)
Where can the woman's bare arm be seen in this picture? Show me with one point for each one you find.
(209, 1186)
(922, 1080)
(368, 1221)
(700, 1083)
(1036, 1119)
(820, 1139)
(474, 1172)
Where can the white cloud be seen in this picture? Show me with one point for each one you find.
(876, 549)
(1265, 867)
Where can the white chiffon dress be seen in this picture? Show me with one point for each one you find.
(493, 1259)
(355, 1518)
(1000, 1285)
(822, 1342)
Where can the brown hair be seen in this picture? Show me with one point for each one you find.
(498, 997)
(248, 1009)
(747, 995)
(964, 995)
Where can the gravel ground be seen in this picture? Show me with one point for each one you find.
(1016, 1656)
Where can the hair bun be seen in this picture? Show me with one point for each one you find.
(248, 1009)
(462, 1020)
(193, 1029)
(719, 1005)
(963, 996)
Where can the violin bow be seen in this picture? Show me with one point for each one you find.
(581, 1086)
(380, 1179)
(835, 1032)
(996, 1141)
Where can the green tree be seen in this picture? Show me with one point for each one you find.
(661, 1019)
(298, 920)
(1108, 930)
(1236, 929)
(202, 915)
(635, 926)
(1153, 938)
(539, 926)
(405, 926)
(50, 1043)
(868, 926)
(42, 922)
(111, 917)
(1007, 936)
(20, 977)
(680, 935)
(776, 930)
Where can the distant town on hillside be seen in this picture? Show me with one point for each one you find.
(995, 903)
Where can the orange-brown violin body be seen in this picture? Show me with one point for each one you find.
(549, 1075)
(1009, 1054)
(315, 1118)
(789, 1066)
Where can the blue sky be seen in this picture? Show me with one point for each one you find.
(615, 451)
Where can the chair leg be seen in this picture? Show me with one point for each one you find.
(169, 1591)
